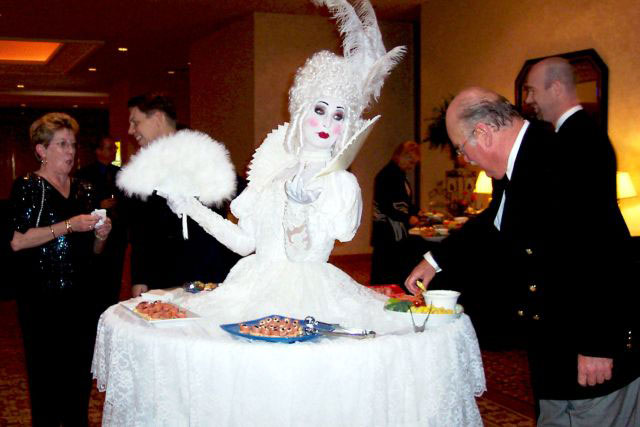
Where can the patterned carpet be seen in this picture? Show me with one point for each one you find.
(508, 401)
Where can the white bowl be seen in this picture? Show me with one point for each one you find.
(441, 298)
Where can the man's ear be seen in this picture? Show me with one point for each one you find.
(159, 118)
(557, 88)
(483, 134)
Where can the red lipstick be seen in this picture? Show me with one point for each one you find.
(323, 135)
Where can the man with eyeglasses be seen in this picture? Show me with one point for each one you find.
(583, 368)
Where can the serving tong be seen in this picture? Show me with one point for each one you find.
(417, 328)
(312, 326)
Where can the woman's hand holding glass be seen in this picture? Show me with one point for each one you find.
(102, 231)
(81, 223)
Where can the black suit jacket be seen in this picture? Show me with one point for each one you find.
(162, 258)
(103, 178)
(561, 255)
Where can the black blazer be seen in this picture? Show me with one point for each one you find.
(561, 254)
(161, 258)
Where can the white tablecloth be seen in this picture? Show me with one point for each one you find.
(198, 375)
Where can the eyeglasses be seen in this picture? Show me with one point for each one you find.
(460, 149)
(64, 144)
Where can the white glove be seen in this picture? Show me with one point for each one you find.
(179, 204)
(295, 191)
(226, 232)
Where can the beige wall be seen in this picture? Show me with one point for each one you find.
(485, 43)
(176, 86)
(249, 65)
(221, 75)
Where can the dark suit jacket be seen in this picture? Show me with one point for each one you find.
(103, 177)
(161, 258)
(562, 254)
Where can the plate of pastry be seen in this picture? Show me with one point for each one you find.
(275, 328)
(160, 313)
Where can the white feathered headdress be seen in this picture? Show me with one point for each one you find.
(187, 163)
(356, 77)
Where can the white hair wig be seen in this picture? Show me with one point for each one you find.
(355, 78)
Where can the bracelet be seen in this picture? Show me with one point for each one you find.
(98, 237)
(67, 223)
(54, 234)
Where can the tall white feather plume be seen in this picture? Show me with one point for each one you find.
(380, 70)
(187, 163)
(362, 44)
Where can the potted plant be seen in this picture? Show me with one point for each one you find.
(457, 188)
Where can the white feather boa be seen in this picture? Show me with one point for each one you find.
(187, 163)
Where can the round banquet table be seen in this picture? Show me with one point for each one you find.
(196, 374)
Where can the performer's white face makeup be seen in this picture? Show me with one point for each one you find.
(323, 124)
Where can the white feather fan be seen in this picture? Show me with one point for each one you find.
(187, 163)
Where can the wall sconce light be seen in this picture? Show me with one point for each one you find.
(625, 186)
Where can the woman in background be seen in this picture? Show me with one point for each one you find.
(55, 236)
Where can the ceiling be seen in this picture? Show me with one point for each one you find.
(157, 34)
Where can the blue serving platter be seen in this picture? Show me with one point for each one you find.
(234, 329)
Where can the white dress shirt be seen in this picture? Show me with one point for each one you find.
(566, 115)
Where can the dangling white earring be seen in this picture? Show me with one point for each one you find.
(43, 161)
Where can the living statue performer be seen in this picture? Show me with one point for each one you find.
(299, 198)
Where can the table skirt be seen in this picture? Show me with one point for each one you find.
(195, 374)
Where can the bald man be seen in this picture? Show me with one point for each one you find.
(582, 372)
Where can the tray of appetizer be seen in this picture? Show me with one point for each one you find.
(160, 313)
(283, 329)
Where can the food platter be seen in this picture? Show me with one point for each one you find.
(434, 238)
(433, 319)
(189, 316)
(304, 335)
(428, 233)
(393, 291)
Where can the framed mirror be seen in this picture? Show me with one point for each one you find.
(592, 84)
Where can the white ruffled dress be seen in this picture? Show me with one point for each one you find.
(289, 274)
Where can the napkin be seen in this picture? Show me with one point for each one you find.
(101, 214)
